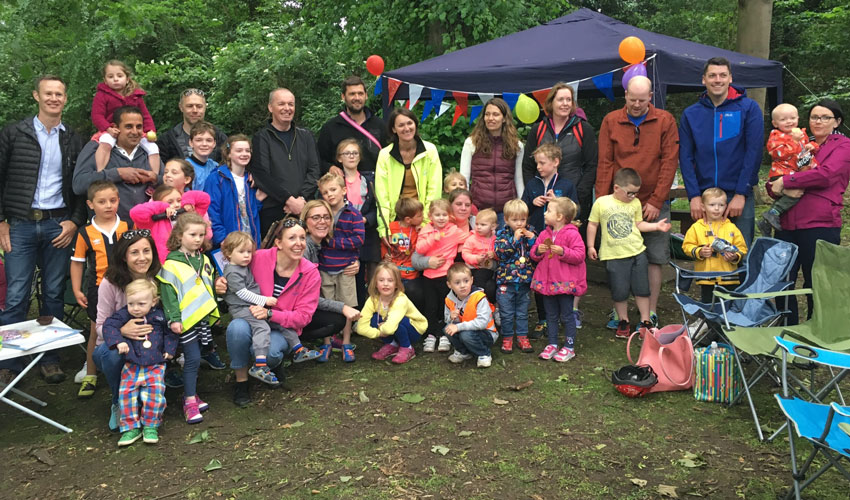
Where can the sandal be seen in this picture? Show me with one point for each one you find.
(324, 353)
(263, 374)
(88, 387)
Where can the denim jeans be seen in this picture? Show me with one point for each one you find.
(405, 335)
(476, 342)
(746, 222)
(191, 366)
(239, 342)
(560, 307)
(110, 363)
(30, 247)
(513, 302)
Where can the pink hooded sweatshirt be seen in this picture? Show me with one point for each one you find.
(476, 246)
(560, 274)
(451, 237)
(142, 216)
(300, 297)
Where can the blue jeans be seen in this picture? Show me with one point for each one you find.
(476, 342)
(560, 307)
(746, 222)
(240, 341)
(110, 363)
(191, 366)
(405, 335)
(30, 247)
(513, 306)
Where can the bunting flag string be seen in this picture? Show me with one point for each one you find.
(435, 102)
(444, 106)
(485, 97)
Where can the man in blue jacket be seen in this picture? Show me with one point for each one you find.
(720, 145)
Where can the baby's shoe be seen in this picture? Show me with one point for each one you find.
(325, 353)
(303, 354)
(445, 345)
(524, 344)
(348, 353)
(507, 345)
(429, 344)
(191, 412)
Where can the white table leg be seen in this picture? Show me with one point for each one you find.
(11, 387)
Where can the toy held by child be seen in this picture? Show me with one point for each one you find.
(390, 316)
(560, 275)
(160, 214)
(143, 375)
(469, 318)
(790, 151)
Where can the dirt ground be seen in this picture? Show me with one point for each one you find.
(428, 429)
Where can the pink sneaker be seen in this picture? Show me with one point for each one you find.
(190, 410)
(385, 352)
(564, 355)
(202, 406)
(548, 352)
(404, 355)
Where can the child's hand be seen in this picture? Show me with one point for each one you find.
(113, 131)
(177, 327)
(705, 252)
(189, 208)
(170, 212)
(539, 201)
(451, 330)
(663, 225)
(556, 249)
(166, 356)
(796, 134)
(518, 233)
(454, 315)
(81, 298)
(123, 348)
(527, 233)
(730, 256)
(490, 254)
(438, 235)
(271, 302)
(261, 195)
(591, 252)
(542, 249)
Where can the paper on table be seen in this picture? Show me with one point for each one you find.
(38, 337)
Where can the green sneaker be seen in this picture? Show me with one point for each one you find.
(151, 436)
(129, 437)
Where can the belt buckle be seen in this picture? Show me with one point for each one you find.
(37, 214)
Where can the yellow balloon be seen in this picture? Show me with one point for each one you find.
(526, 109)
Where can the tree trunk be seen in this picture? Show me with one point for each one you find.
(754, 18)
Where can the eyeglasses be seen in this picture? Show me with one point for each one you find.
(319, 218)
(350, 154)
(141, 233)
(188, 92)
(631, 194)
(819, 119)
(637, 136)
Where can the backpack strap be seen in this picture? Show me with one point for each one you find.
(578, 132)
(541, 131)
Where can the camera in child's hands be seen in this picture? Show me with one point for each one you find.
(722, 246)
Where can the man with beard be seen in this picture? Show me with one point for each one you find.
(355, 122)
(174, 143)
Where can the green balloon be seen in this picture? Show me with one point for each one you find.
(526, 109)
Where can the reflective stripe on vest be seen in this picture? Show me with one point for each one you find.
(470, 311)
(197, 301)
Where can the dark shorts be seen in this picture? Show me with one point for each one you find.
(628, 275)
(91, 295)
(657, 242)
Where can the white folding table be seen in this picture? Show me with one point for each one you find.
(7, 352)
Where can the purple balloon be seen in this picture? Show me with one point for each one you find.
(633, 70)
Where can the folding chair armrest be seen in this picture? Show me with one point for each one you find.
(818, 355)
(841, 410)
(732, 295)
(691, 274)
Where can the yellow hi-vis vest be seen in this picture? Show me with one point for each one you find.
(197, 300)
(470, 312)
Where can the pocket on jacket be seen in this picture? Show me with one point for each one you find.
(727, 125)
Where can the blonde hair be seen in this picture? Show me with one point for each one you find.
(442, 204)
(565, 207)
(373, 283)
(131, 84)
(310, 205)
(348, 142)
(330, 177)
(235, 240)
(183, 222)
(487, 215)
(515, 207)
(712, 192)
(458, 268)
(782, 108)
(549, 150)
(452, 176)
(139, 286)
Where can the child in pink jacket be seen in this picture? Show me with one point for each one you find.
(159, 214)
(560, 275)
(479, 253)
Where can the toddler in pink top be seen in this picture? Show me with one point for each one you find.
(480, 255)
(159, 214)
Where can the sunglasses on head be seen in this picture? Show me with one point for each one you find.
(132, 234)
(188, 92)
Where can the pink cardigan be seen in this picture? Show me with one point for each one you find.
(564, 274)
(142, 216)
(476, 246)
(106, 101)
(300, 297)
(451, 238)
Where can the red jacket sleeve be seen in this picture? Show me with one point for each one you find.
(98, 112)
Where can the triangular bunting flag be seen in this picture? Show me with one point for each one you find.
(540, 96)
(474, 111)
(414, 91)
(485, 97)
(427, 110)
(458, 114)
(392, 86)
(604, 83)
(435, 102)
(378, 86)
(510, 98)
(462, 99)
(444, 106)
(574, 85)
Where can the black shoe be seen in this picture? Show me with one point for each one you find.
(280, 372)
(773, 219)
(764, 227)
(241, 394)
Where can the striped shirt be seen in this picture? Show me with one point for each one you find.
(344, 247)
(94, 246)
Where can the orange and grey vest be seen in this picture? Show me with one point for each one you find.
(470, 311)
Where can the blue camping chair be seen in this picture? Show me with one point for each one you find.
(825, 426)
(765, 271)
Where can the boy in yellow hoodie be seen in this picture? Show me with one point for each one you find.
(702, 234)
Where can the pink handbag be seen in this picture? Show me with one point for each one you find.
(670, 353)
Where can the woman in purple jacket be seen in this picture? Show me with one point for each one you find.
(817, 216)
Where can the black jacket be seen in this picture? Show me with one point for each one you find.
(20, 161)
(336, 129)
(169, 144)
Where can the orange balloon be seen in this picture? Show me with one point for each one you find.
(632, 50)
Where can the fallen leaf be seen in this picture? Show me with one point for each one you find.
(521, 386)
(236, 478)
(44, 457)
(344, 479)
(500, 401)
(413, 398)
(363, 397)
(639, 482)
(600, 446)
(395, 438)
(667, 491)
(563, 378)
(598, 368)
(464, 433)
(442, 450)
(214, 464)
(200, 437)
(295, 424)
(687, 462)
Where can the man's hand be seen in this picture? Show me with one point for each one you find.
(132, 175)
(294, 205)
(736, 206)
(451, 330)
(5, 241)
(650, 213)
(69, 229)
(697, 208)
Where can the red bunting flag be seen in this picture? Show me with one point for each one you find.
(392, 86)
(540, 95)
(462, 99)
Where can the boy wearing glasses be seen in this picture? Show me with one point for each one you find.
(622, 247)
